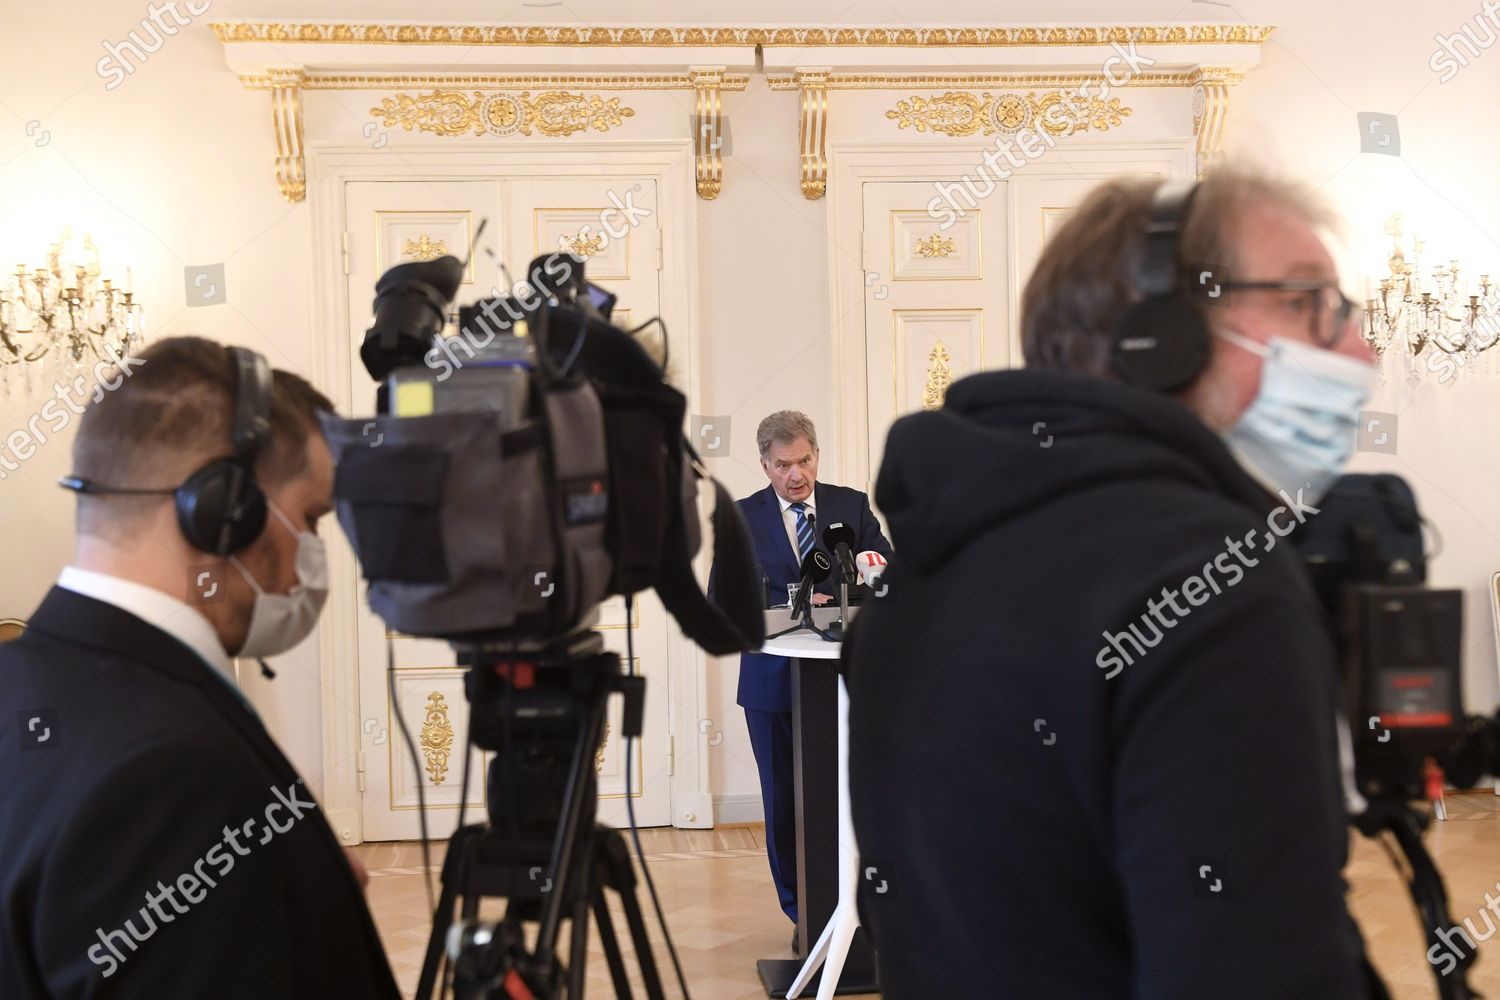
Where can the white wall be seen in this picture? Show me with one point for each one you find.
(171, 168)
(1325, 63)
(174, 168)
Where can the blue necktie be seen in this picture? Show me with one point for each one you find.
(804, 531)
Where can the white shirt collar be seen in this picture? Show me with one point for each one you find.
(182, 622)
(810, 502)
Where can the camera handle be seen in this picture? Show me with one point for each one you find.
(1406, 824)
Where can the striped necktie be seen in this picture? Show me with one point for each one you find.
(804, 531)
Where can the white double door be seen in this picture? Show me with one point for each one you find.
(942, 295)
(612, 224)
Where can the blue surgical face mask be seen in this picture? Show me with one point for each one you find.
(1300, 430)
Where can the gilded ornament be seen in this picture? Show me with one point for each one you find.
(551, 113)
(962, 113)
(582, 245)
(437, 737)
(939, 377)
(599, 754)
(936, 246)
(424, 248)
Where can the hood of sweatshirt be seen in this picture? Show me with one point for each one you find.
(1007, 443)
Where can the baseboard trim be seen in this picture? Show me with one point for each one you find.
(730, 809)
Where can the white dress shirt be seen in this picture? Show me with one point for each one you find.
(789, 520)
(182, 622)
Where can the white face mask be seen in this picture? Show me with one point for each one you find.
(1301, 428)
(280, 621)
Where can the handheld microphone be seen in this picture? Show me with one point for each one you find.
(839, 538)
(871, 565)
(815, 569)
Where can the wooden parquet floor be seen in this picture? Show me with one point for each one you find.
(715, 888)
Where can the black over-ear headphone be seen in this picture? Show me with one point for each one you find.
(221, 508)
(1162, 341)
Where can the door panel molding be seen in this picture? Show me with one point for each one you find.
(331, 166)
(852, 164)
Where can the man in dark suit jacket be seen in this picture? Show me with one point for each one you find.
(787, 520)
(154, 841)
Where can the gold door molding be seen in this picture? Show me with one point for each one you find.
(962, 113)
(553, 113)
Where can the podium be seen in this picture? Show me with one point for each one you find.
(818, 763)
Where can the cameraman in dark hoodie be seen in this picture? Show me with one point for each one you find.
(1093, 741)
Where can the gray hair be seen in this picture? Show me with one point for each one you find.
(784, 427)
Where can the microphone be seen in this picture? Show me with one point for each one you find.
(266, 671)
(839, 538)
(871, 565)
(815, 569)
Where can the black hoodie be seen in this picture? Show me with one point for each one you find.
(1043, 811)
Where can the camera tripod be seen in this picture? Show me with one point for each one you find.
(544, 879)
(1396, 816)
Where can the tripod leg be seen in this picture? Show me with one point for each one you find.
(578, 959)
(624, 883)
(453, 867)
(611, 945)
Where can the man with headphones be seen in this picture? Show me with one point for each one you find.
(1093, 749)
(154, 841)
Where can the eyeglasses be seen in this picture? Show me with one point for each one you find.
(1328, 311)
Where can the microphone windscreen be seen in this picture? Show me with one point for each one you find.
(871, 564)
(817, 565)
(838, 533)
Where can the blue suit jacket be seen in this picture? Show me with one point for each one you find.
(765, 680)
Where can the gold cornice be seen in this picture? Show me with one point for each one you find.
(959, 81)
(708, 164)
(1210, 111)
(287, 33)
(489, 81)
(812, 133)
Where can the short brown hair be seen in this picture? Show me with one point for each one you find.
(171, 416)
(1087, 276)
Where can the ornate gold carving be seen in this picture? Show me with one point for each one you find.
(984, 81)
(582, 245)
(599, 754)
(491, 81)
(1210, 111)
(936, 245)
(1223, 33)
(813, 132)
(424, 248)
(960, 113)
(286, 116)
(437, 737)
(939, 377)
(708, 165)
(552, 113)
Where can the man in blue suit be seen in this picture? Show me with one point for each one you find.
(786, 521)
